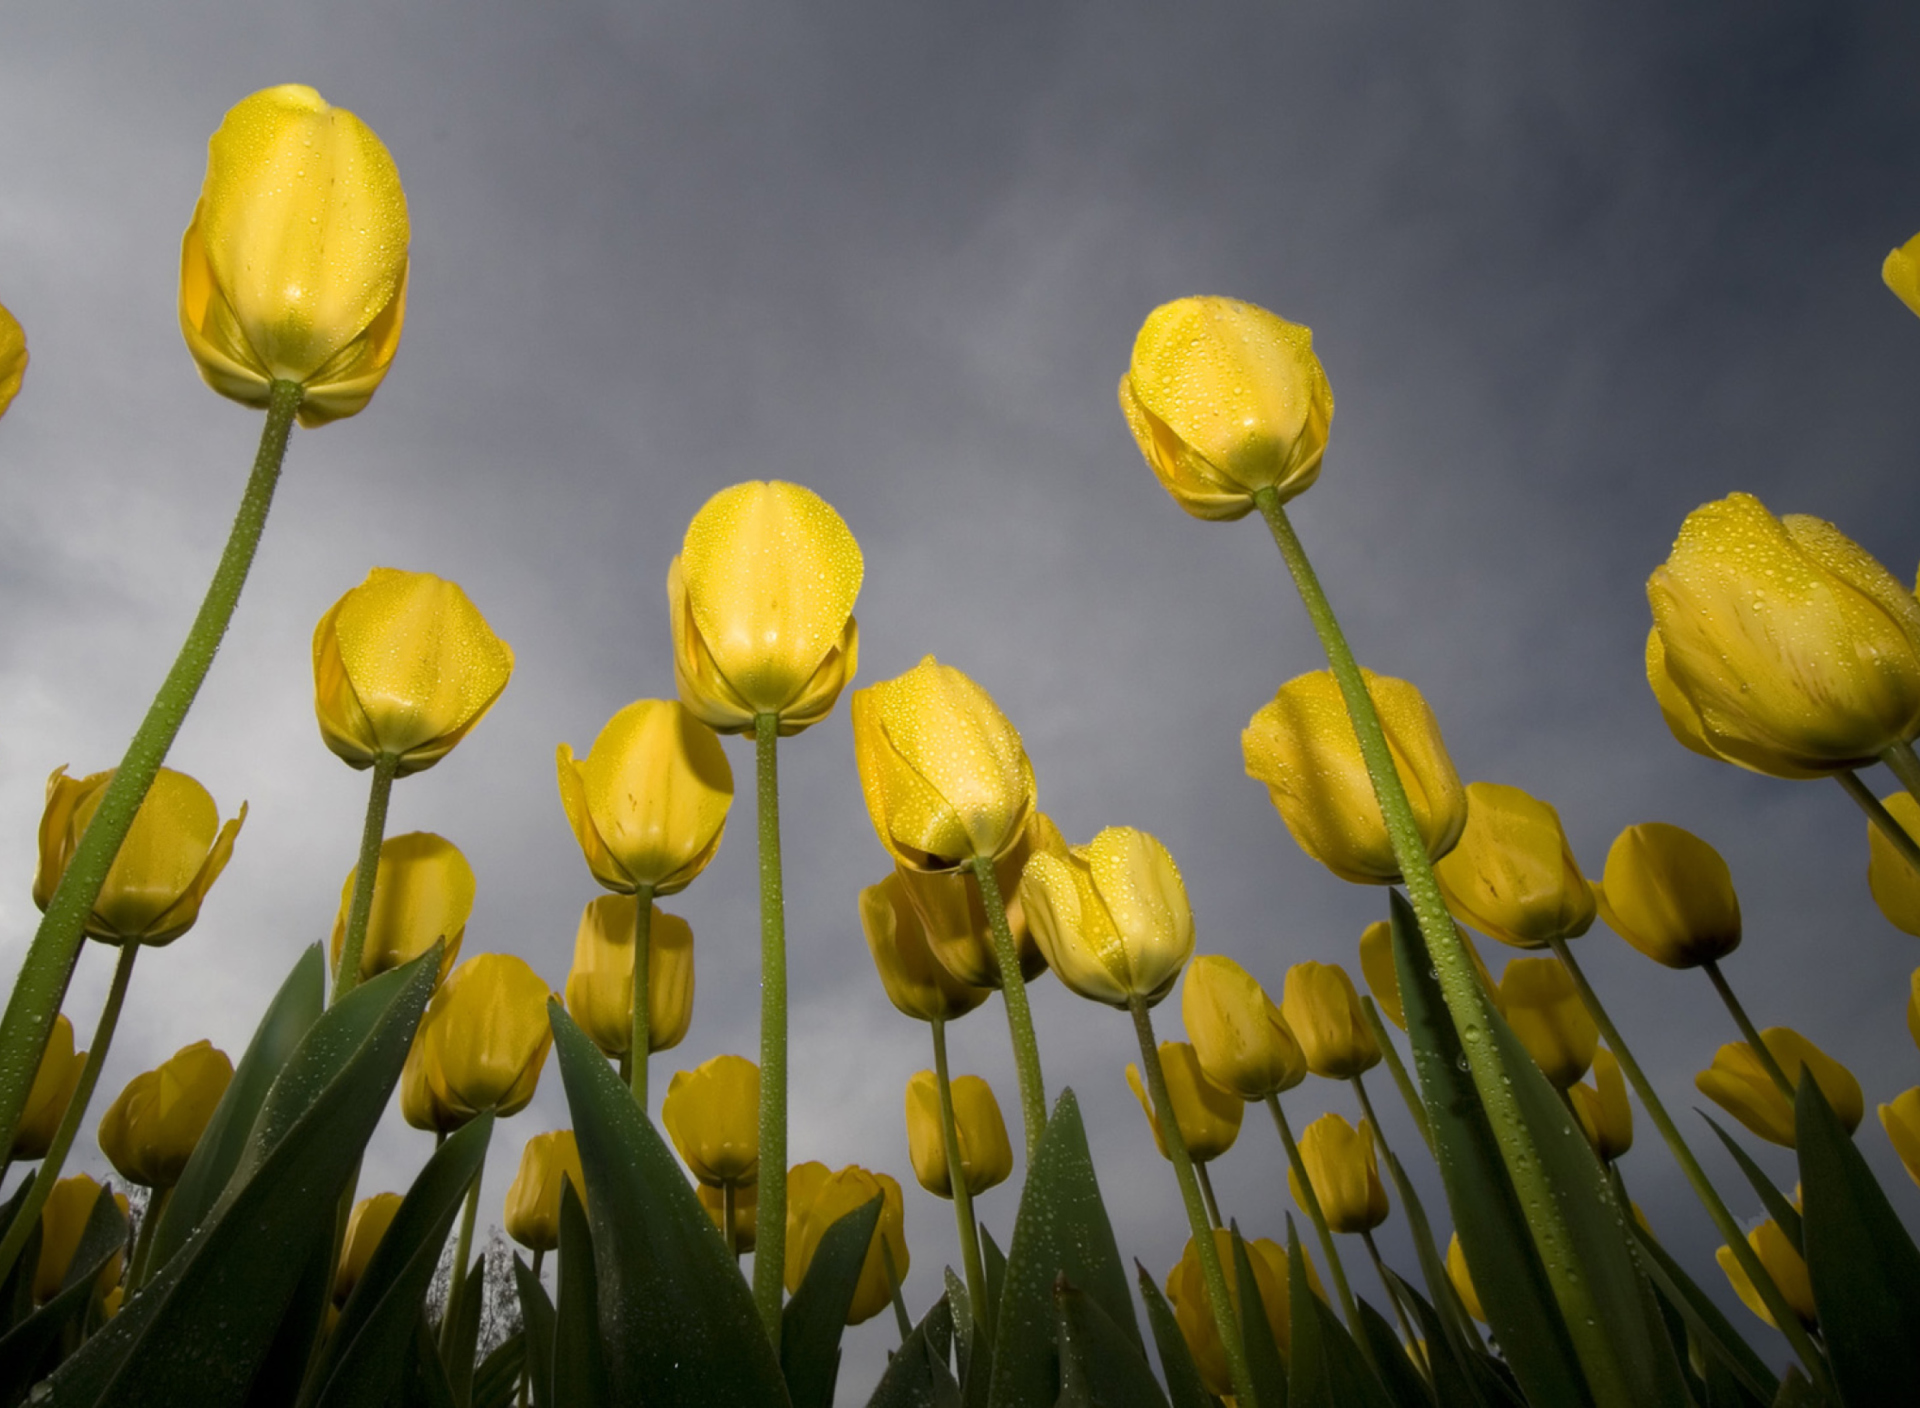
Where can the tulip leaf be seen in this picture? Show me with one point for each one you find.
(1796, 1391)
(995, 1270)
(918, 1376)
(1864, 1267)
(1185, 1387)
(427, 1385)
(1265, 1367)
(676, 1317)
(16, 1286)
(973, 1387)
(294, 1009)
(31, 1348)
(580, 1378)
(811, 1324)
(284, 1365)
(1722, 1389)
(1327, 1369)
(1778, 1206)
(536, 1313)
(1462, 1376)
(366, 1354)
(1705, 1320)
(1389, 1359)
(1101, 1366)
(496, 1382)
(462, 1345)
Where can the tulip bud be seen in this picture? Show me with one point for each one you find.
(1462, 1279)
(295, 265)
(1209, 1117)
(1383, 979)
(1323, 1011)
(915, 981)
(63, 1218)
(761, 598)
(1193, 1310)
(174, 851)
(13, 358)
(422, 894)
(1901, 1120)
(816, 1199)
(533, 1202)
(1111, 916)
(404, 664)
(1795, 653)
(1544, 1009)
(746, 1212)
(366, 1225)
(1602, 1109)
(712, 1113)
(151, 1131)
(1783, 1264)
(1670, 895)
(480, 1046)
(1242, 1042)
(955, 916)
(1513, 876)
(1225, 399)
(986, 1158)
(1896, 889)
(1345, 1174)
(600, 984)
(1901, 273)
(1302, 745)
(1740, 1085)
(649, 804)
(53, 1085)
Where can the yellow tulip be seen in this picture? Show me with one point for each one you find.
(1782, 1263)
(1901, 273)
(422, 893)
(1302, 745)
(1788, 648)
(1602, 1109)
(13, 358)
(1323, 1012)
(151, 1131)
(53, 1086)
(63, 1219)
(295, 265)
(1738, 1083)
(649, 804)
(746, 1213)
(1193, 1311)
(1226, 399)
(173, 853)
(480, 1046)
(954, 915)
(1383, 979)
(1901, 1120)
(1242, 1041)
(1345, 1174)
(1462, 1279)
(712, 1113)
(1209, 1116)
(1111, 916)
(533, 1201)
(1670, 895)
(366, 1225)
(600, 984)
(1896, 889)
(1513, 876)
(915, 980)
(986, 1158)
(816, 1199)
(761, 599)
(1542, 1006)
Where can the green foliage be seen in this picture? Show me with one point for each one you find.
(1185, 1387)
(580, 1378)
(811, 1324)
(28, 1346)
(918, 1376)
(1265, 1367)
(1100, 1363)
(1327, 1368)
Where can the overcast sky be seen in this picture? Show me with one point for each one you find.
(1572, 271)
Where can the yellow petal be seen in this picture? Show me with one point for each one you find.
(13, 358)
(1901, 272)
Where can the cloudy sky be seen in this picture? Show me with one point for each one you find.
(1571, 274)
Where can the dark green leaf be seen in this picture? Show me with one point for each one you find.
(496, 1383)
(1389, 1359)
(918, 1376)
(1185, 1388)
(995, 1269)
(1327, 1369)
(1723, 1390)
(580, 1378)
(1462, 1377)
(973, 1387)
(811, 1324)
(427, 1385)
(1795, 1390)
(1101, 1366)
(1710, 1327)
(30, 1348)
(1265, 1367)
(460, 1349)
(536, 1313)
(284, 1365)
(1778, 1206)
(16, 1287)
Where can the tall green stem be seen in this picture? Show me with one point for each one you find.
(1315, 1214)
(962, 1195)
(48, 1173)
(1459, 982)
(1224, 1318)
(770, 1251)
(642, 1043)
(43, 973)
(1761, 1052)
(1398, 1070)
(366, 875)
(457, 1284)
(1205, 1180)
(1386, 1284)
(1386, 1156)
(1013, 987)
(1906, 766)
(1877, 813)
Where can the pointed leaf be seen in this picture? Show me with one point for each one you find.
(1264, 1365)
(496, 1383)
(284, 1365)
(1796, 1391)
(1778, 1206)
(1101, 1366)
(994, 1267)
(973, 1386)
(27, 1349)
(1708, 1324)
(1328, 1370)
(536, 1313)
(918, 1376)
(580, 1377)
(427, 1386)
(1461, 1377)
(1185, 1388)
(458, 1353)
(1390, 1362)
(811, 1324)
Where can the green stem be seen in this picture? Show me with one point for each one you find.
(457, 1284)
(962, 1196)
(1315, 1214)
(1386, 1284)
(770, 1252)
(893, 1284)
(1205, 1180)
(1398, 1070)
(642, 1044)
(1730, 1233)
(1900, 757)
(1877, 813)
(1761, 1052)
(1459, 984)
(43, 973)
(48, 1173)
(1386, 1156)
(1224, 1318)
(1013, 987)
(366, 875)
(157, 1200)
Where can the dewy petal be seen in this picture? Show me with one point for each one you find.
(706, 692)
(658, 788)
(1140, 888)
(165, 849)
(1188, 477)
(1055, 895)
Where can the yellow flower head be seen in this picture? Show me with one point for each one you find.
(746, 1212)
(980, 1132)
(533, 1201)
(1782, 1263)
(600, 984)
(1544, 1009)
(915, 980)
(1111, 916)
(63, 1219)
(366, 1225)
(1513, 876)
(816, 1199)
(1896, 889)
(13, 358)
(1901, 1120)
(954, 915)
(1602, 1109)
(1383, 979)
(1462, 1279)
(1193, 1311)
(422, 893)
(1345, 1174)
(1901, 273)
(1670, 895)
(295, 265)
(712, 1113)
(480, 1046)
(151, 1131)
(1208, 1115)
(1323, 1012)
(1241, 1040)
(54, 1082)
(1740, 1085)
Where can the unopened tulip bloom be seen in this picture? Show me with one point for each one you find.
(1513, 876)
(600, 983)
(1302, 745)
(480, 1046)
(986, 1158)
(151, 1131)
(1209, 1116)
(761, 598)
(1193, 1311)
(648, 804)
(1543, 1007)
(712, 1113)
(1225, 399)
(1901, 272)
(1901, 1120)
(915, 981)
(1383, 979)
(1782, 1263)
(1670, 895)
(816, 1199)
(1111, 916)
(1896, 889)
(53, 1086)
(1602, 1109)
(13, 358)
(746, 1212)
(533, 1200)
(63, 1219)
(954, 915)
(173, 853)
(422, 894)
(1243, 1043)
(366, 1225)
(1794, 651)
(1738, 1083)
(404, 665)
(1462, 1279)
(1323, 1012)
(295, 265)
(1345, 1174)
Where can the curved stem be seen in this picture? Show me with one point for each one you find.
(28, 1217)
(1013, 988)
(1387, 1157)
(457, 1284)
(43, 973)
(1877, 814)
(962, 1195)
(1399, 1072)
(770, 1251)
(366, 876)
(1315, 1214)
(1224, 1318)
(1761, 1052)
(641, 1045)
